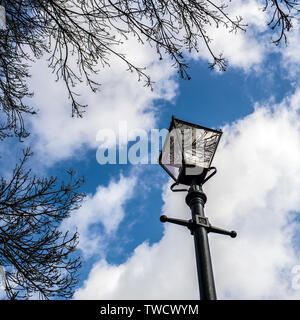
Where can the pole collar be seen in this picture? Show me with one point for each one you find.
(195, 192)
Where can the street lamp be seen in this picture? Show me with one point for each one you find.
(186, 156)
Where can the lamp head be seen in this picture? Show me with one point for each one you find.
(188, 151)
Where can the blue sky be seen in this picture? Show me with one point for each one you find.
(128, 253)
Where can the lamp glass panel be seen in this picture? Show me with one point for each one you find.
(198, 145)
(171, 157)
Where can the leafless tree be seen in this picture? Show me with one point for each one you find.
(91, 30)
(37, 256)
(283, 12)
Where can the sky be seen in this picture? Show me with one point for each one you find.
(127, 252)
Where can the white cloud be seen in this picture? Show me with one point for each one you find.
(57, 136)
(290, 52)
(256, 189)
(105, 207)
(244, 50)
(250, 50)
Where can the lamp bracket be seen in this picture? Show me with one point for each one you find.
(212, 174)
(198, 222)
(205, 180)
(177, 190)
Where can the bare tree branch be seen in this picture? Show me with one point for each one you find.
(91, 31)
(283, 13)
(38, 257)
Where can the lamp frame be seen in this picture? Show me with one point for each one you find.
(184, 165)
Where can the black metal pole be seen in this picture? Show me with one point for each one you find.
(196, 200)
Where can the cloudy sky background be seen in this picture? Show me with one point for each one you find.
(128, 253)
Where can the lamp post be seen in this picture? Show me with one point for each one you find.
(186, 156)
